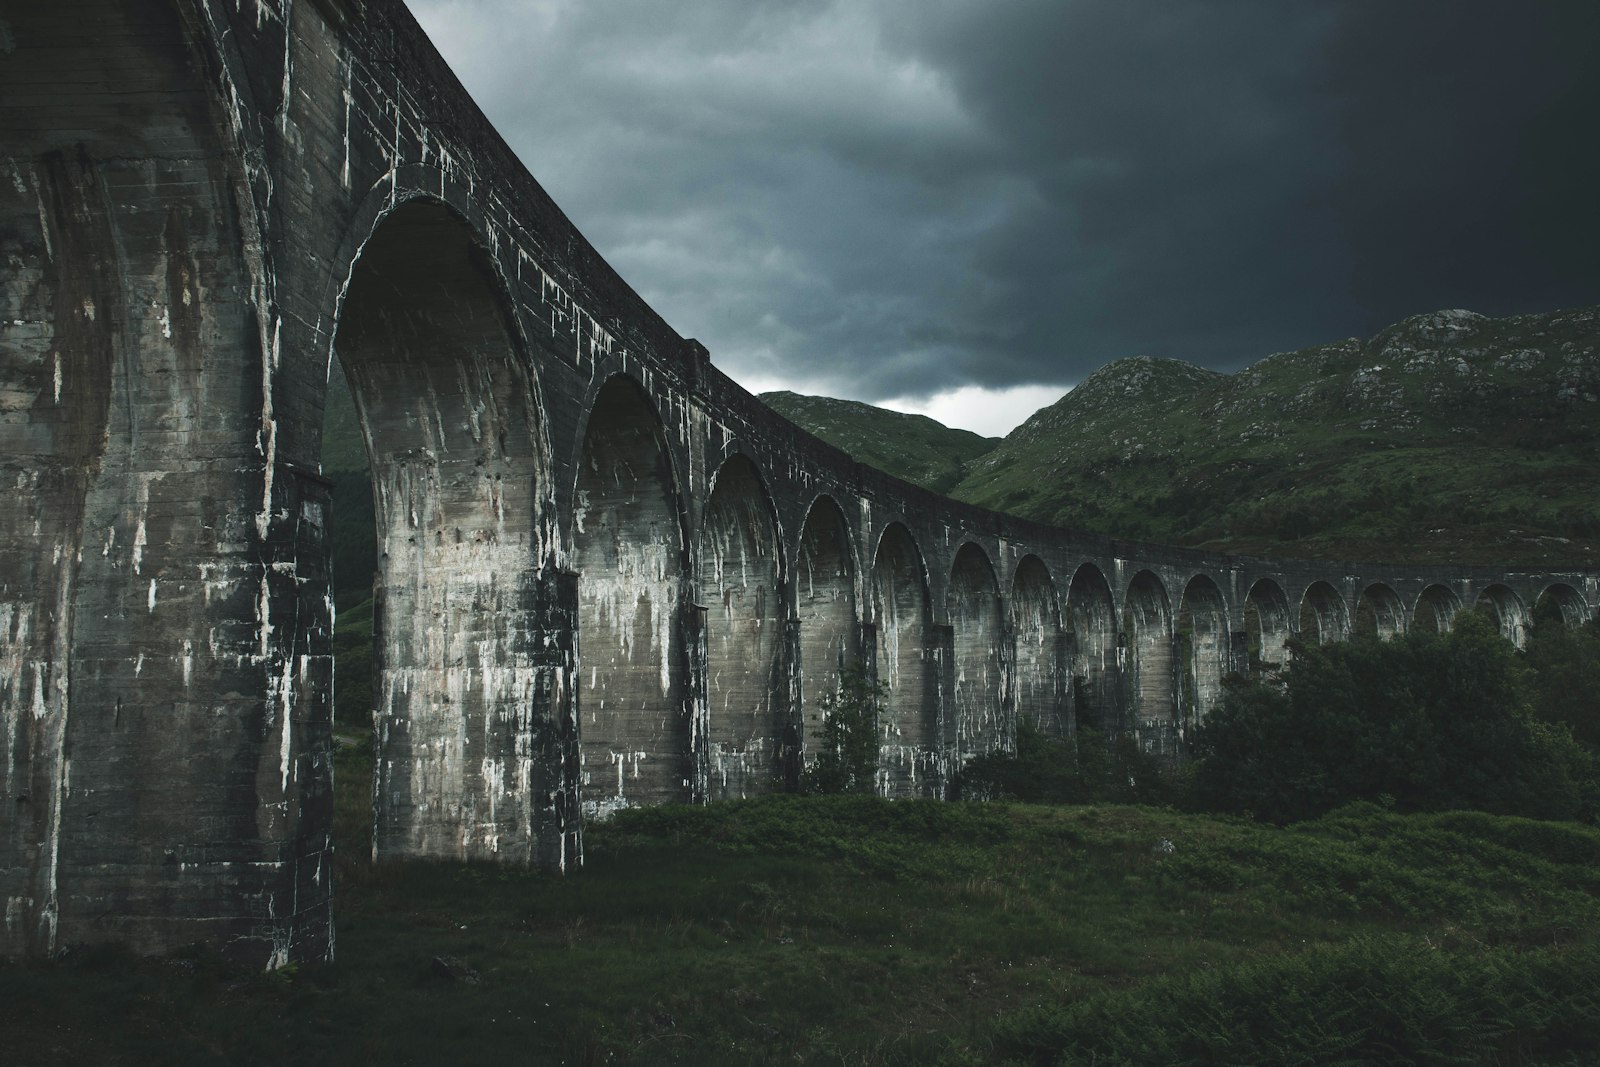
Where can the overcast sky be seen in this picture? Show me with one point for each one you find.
(966, 206)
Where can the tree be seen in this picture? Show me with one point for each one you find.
(847, 760)
(1430, 721)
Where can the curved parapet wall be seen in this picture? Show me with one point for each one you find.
(608, 575)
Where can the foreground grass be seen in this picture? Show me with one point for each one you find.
(848, 929)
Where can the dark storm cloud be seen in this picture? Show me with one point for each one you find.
(897, 197)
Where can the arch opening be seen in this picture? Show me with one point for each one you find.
(1561, 603)
(1266, 626)
(1436, 610)
(1151, 682)
(1505, 607)
(1323, 614)
(1202, 645)
(446, 407)
(739, 576)
(627, 547)
(972, 605)
(1093, 641)
(908, 753)
(1036, 632)
(1379, 613)
(825, 605)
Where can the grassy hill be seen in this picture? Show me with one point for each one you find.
(1447, 436)
(850, 929)
(911, 447)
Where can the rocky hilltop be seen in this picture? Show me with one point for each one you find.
(1446, 436)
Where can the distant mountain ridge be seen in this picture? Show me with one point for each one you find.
(1448, 436)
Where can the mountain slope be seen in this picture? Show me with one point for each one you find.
(911, 447)
(1448, 436)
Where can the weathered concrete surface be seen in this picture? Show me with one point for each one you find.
(608, 575)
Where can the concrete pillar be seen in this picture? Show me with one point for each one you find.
(791, 757)
(699, 708)
(941, 669)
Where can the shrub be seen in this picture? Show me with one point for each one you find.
(1434, 722)
(847, 761)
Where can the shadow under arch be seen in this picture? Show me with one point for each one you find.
(1379, 613)
(908, 754)
(972, 605)
(1203, 649)
(464, 678)
(1559, 601)
(825, 607)
(1149, 675)
(1035, 619)
(1266, 625)
(739, 580)
(1509, 613)
(1095, 651)
(1323, 614)
(629, 553)
(1436, 610)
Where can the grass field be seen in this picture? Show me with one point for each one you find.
(855, 930)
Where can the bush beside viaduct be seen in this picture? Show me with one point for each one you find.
(609, 576)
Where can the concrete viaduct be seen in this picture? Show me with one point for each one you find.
(609, 576)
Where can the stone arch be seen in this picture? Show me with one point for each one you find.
(740, 575)
(1147, 640)
(1266, 624)
(1203, 649)
(1035, 617)
(1561, 601)
(1505, 607)
(1097, 699)
(461, 485)
(972, 605)
(1379, 613)
(628, 549)
(1436, 610)
(908, 756)
(825, 605)
(1323, 614)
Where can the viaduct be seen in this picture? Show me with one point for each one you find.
(609, 576)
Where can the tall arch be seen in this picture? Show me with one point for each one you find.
(972, 605)
(1035, 617)
(1097, 698)
(825, 605)
(739, 576)
(1379, 613)
(1148, 639)
(1323, 614)
(1203, 640)
(1266, 624)
(1509, 613)
(908, 755)
(452, 428)
(1436, 610)
(628, 550)
(1560, 600)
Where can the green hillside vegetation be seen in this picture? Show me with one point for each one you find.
(914, 448)
(1447, 437)
(851, 929)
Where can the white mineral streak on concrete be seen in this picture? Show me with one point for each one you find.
(152, 597)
